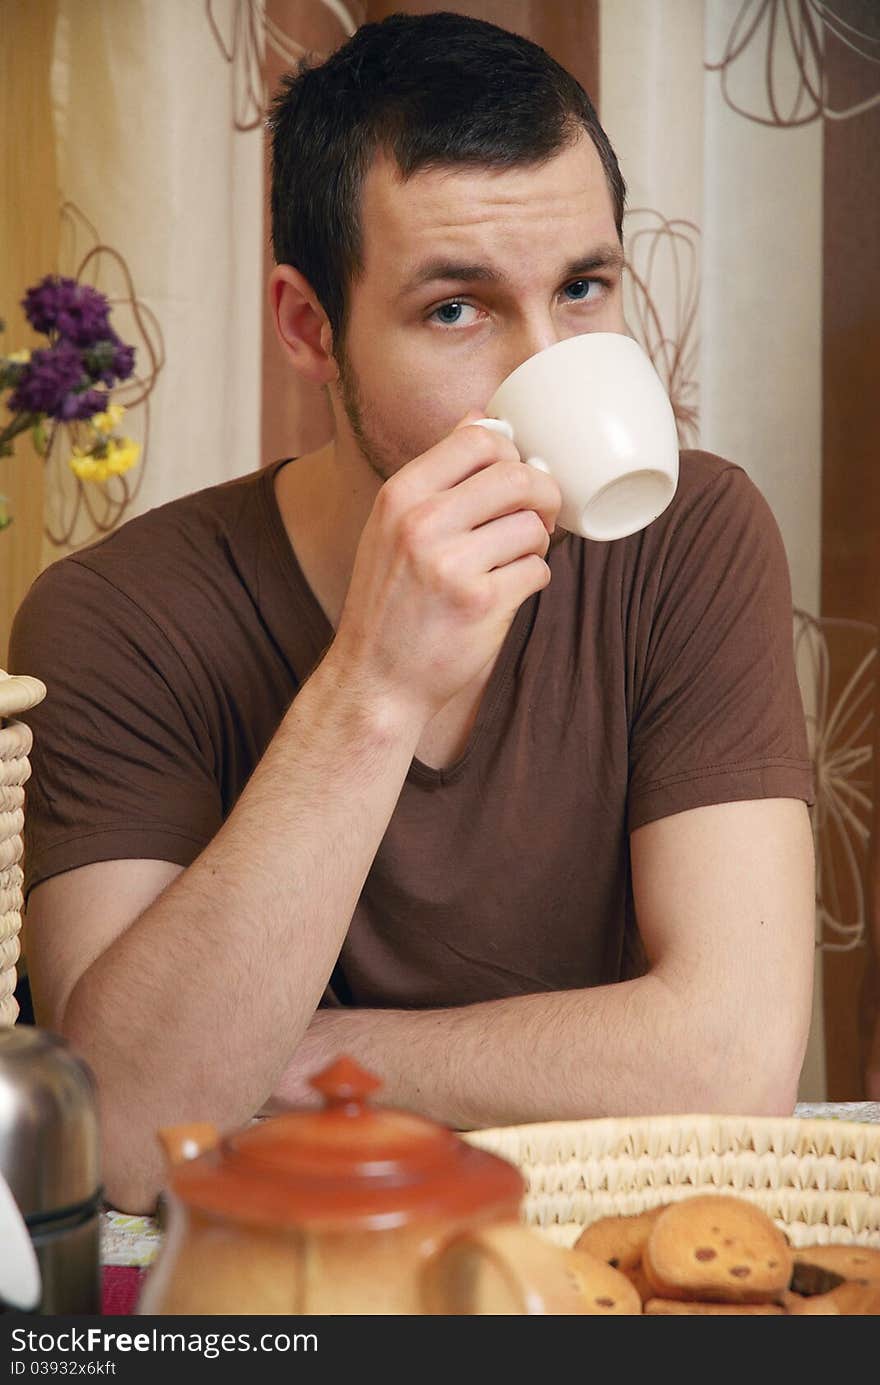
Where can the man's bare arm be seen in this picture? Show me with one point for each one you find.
(725, 897)
(194, 1010)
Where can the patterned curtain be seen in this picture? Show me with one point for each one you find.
(749, 135)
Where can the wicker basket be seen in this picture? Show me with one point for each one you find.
(818, 1179)
(16, 695)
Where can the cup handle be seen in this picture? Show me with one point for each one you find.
(501, 425)
(495, 425)
(503, 1268)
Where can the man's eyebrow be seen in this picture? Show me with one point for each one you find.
(459, 272)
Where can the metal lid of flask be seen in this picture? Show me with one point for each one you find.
(49, 1134)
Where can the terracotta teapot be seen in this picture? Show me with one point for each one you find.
(353, 1209)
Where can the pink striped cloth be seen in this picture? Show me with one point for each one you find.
(120, 1287)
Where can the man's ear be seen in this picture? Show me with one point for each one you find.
(301, 325)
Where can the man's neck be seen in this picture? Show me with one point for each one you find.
(324, 505)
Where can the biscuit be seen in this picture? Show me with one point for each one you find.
(604, 1290)
(809, 1279)
(661, 1307)
(850, 1299)
(619, 1241)
(716, 1248)
(854, 1299)
(852, 1262)
(814, 1305)
(637, 1278)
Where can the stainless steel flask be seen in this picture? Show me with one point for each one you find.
(50, 1158)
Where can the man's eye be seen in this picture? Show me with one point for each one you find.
(449, 315)
(452, 313)
(585, 290)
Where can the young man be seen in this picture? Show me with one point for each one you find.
(330, 764)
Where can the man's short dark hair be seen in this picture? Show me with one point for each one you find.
(433, 90)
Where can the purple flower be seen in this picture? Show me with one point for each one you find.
(83, 405)
(109, 361)
(53, 384)
(123, 361)
(75, 311)
(59, 382)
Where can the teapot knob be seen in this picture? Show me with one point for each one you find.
(345, 1083)
(182, 1142)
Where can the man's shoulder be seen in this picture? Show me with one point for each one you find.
(699, 470)
(174, 565)
(196, 531)
(217, 509)
(713, 494)
(717, 523)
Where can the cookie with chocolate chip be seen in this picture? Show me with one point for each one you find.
(637, 1278)
(861, 1263)
(857, 1299)
(666, 1307)
(619, 1241)
(717, 1249)
(810, 1305)
(849, 1299)
(604, 1290)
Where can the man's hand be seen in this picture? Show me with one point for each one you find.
(322, 1043)
(455, 543)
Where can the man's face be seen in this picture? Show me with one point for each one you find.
(417, 356)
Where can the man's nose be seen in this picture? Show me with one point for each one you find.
(528, 343)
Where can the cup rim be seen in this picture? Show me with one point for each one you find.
(566, 343)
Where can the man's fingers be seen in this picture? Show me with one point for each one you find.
(451, 460)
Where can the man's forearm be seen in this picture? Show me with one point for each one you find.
(193, 1011)
(635, 1047)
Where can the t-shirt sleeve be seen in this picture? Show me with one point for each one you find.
(718, 715)
(122, 766)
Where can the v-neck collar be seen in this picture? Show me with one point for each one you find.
(320, 635)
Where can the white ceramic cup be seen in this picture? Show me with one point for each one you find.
(592, 412)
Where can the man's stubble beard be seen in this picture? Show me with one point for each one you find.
(352, 403)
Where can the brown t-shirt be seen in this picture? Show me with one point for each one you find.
(653, 675)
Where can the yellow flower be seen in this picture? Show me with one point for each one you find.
(121, 455)
(19, 357)
(107, 421)
(87, 467)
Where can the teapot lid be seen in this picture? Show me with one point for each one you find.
(350, 1163)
